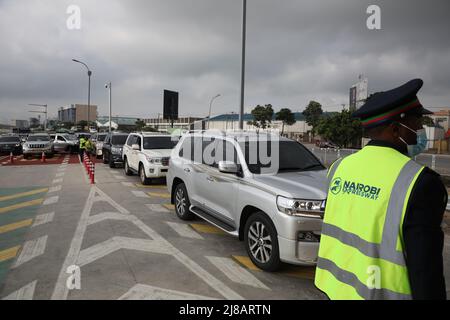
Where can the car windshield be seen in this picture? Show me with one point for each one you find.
(159, 143)
(70, 137)
(10, 139)
(119, 140)
(101, 137)
(292, 157)
(38, 138)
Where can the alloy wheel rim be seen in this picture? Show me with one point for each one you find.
(260, 242)
(142, 175)
(180, 201)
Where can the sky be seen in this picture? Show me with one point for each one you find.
(297, 51)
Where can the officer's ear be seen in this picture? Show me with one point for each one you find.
(395, 129)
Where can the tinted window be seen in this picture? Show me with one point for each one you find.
(60, 138)
(39, 138)
(10, 139)
(158, 143)
(101, 137)
(130, 140)
(119, 140)
(292, 157)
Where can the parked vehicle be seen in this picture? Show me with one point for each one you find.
(63, 142)
(112, 148)
(36, 144)
(327, 145)
(277, 210)
(148, 155)
(11, 143)
(97, 141)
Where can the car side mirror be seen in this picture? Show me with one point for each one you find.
(228, 167)
(136, 147)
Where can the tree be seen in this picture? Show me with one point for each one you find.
(287, 117)
(313, 114)
(340, 129)
(82, 124)
(427, 121)
(139, 125)
(262, 116)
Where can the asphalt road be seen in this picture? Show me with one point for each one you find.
(61, 238)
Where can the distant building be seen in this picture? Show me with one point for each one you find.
(162, 125)
(117, 123)
(77, 112)
(20, 124)
(442, 118)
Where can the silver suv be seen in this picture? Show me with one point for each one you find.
(267, 190)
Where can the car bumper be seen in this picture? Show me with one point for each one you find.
(9, 150)
(116, 158)
(99, 152)
(37, 151)
(298, 252)
(156, 172)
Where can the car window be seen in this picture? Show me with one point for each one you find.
(39, 138)
(187, 149)
(9, 139)
(138, 141)
(119, 139)
(130, 140)
(61, 138)
(159, 143)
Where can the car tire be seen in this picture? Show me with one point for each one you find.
(111, 162)
(182, 203)
(126, 167)
(261, 242)
(143, 177)
(105, 160)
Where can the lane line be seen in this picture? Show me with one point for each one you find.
(51, 200)
(23, 194)
(236, 273)
(205, 228)
(24, 293)
(139, 194)
(9, 253)
(31, 249)
(43, 219)
(184, 230)
(15, 225)
(22, 205)
(159, 195)
(157, 208)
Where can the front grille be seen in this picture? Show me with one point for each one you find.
(37, 146)
(165, 161)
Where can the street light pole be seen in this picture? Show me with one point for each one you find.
(244, 33)
(89, 89)
(109, 86)
(45, 112)
(210, 106)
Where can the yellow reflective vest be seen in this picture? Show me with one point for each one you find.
(362, 254)
(83, 143)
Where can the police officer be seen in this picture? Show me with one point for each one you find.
(382, 235)
(82, 148)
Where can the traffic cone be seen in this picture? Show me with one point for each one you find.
(93, 173)
(43, 160)
(11, 158)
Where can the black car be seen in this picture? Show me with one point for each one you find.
(112, 148)
(10, 144)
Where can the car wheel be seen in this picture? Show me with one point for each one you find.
(261, 242)
(111, 162)
(143, 176)
(182, 203)
(105, 160)
(128, 172)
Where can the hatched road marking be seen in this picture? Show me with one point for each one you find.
(43, 219)
(159, 195)
(22, 205)
(9, 253)
(51, 200)
(23, 194)
(15, 225)
(139, 194)
(205, 228)
(31, 249)
(184, 230)
(157, 208)
(24, 293)
(169, 206)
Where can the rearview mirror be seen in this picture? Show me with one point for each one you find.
(228, 167)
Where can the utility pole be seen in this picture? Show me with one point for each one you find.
(109, 86)
(44, 112)
(244, 33)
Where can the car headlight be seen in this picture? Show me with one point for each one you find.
(18, 145)
(26, 146)
(116, 150)
(153, 160)
(300, 207)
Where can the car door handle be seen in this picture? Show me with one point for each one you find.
(187, 170)
(211, 179)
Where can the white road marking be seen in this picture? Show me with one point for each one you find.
(236, 273)
(140, 194)
(31, 249)
(120, 177)
(158, 243)
(146, 292)
(55, 189)
(60, 180)
(127, 184)
(184, 230)
(107, 247)
(51, 200)
(106, 216)
(157, 208)
(24, 293)
(60, 174)
(43, 219)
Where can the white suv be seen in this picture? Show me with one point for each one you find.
(147, 154)
(274, 204)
